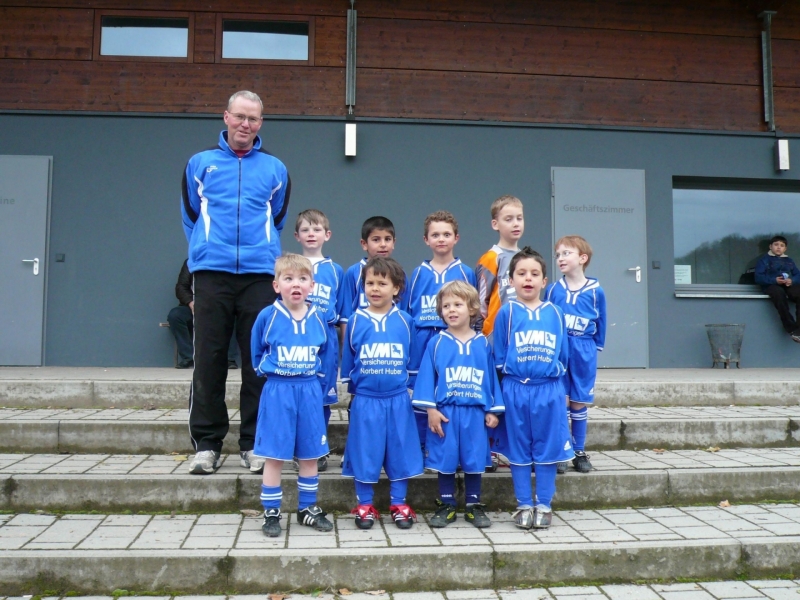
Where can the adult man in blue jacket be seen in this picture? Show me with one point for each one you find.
(235, 197)
(776, 273)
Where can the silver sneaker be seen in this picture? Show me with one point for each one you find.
(205, 462)
(249, 460)
(523, 518)
(542, 518)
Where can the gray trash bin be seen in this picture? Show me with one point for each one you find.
(726, 343)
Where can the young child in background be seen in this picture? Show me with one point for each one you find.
(288, 345)
(376, 362)
(530, 349)
(377, 239)
(492, 270)
(583, 303)
(312, 230)
(457, 385)
(441, 235)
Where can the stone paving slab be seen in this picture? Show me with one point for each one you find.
(169, 388)
(113, 482)
(710, 590)
(141, 431)
(156, 552)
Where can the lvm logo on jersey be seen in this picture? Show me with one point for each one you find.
(381, 350)
(322, 291)
(576, 323)
(535, 337)
(297, 353)
(428, 302)
(465, 374)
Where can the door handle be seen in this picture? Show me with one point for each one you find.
(35, 262)
(638, 273)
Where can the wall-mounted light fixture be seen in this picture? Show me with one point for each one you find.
(350, 83)
(350, 136)
(781, 155)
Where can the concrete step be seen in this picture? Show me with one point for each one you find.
(621, 478)
(215, 553)
(142, 431)
(95, 387)
(775, 589)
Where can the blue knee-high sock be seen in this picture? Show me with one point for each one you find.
(326, 412)
(271, 497)
(422, 427)
(307, 491)
(397, 491)
(364, 493)
(545, 484)
(447, 488)
(580, 419)
(472, 488)
(523, 490)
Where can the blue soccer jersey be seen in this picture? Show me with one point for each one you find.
(378, 353)
(352, 292)
(425, 284)
(584, 309)
(459, 373)
(530, 344)
(328, 277)
(288, 347)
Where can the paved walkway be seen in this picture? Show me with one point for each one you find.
(235, 531)
(603, 375)
(341, 414)
(776, 589)
(612, 460)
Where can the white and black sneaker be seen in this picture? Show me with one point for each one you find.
(272, 522)
(249, 460)
(314, 516)
(205, 462)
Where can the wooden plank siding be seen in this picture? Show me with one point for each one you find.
(548, 99)
(46, 34)
(166, 87)
(662, 63)
(577, 52)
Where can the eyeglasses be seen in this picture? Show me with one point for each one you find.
(565, 254)
(237, 119)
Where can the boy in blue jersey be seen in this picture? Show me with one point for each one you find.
(377, 357)
(530, 347)
(583, 303)
(377, 239)
(312, 230)
(457, 385)
(288, 344)
(441, 235)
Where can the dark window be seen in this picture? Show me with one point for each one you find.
(721, 228)
(144, 36)
(265, 40)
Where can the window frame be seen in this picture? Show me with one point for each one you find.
(221, 17)
(725, 290)
(98, 32)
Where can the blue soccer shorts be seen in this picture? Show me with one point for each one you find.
(534, 428)
(330, 367)
(290, 421)
(581, 369)
(382, 433)
(465, 441)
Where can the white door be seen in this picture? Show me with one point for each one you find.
(607, 208)
(24, 213)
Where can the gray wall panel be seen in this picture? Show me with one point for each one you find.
(115, 213)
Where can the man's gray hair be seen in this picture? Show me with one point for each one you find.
(247, 95)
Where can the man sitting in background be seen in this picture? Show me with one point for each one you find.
(775, 273)
(181, 323)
